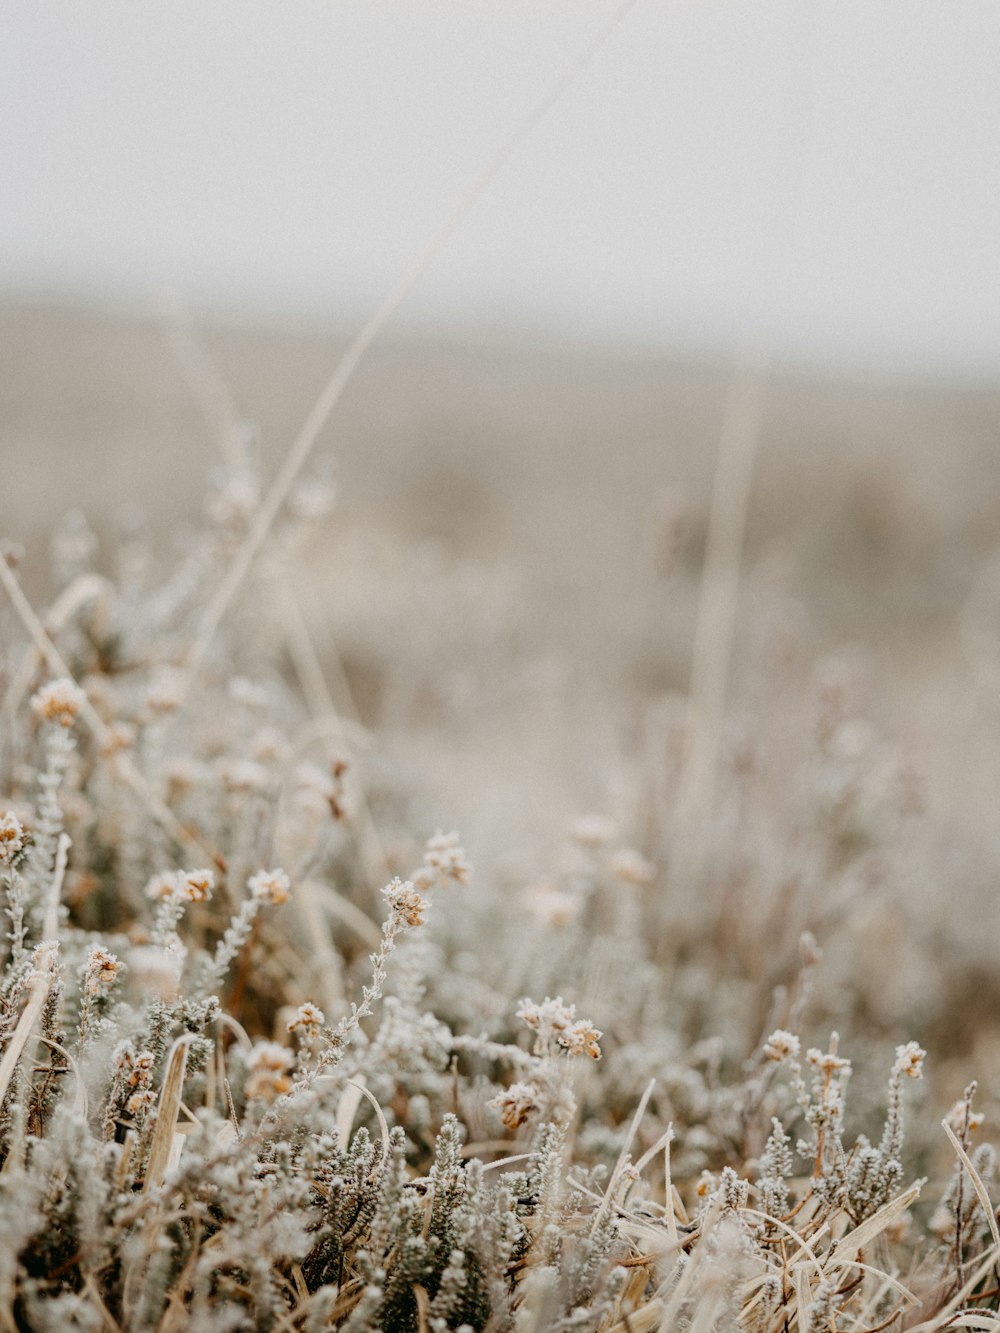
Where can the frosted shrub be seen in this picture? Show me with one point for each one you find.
(260, 1070)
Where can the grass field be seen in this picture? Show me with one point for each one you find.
(492, 630)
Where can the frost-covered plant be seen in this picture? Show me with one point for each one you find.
(266, 1063)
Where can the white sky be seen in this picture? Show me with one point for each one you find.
(826, 175)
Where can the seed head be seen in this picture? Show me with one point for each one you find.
(827, 1062)
(59, 701)
(102, 969)
(551, 1016)
(11, 836)
(515, 1104)
(270, 886)
(909, 1060)
(140, 1069)
(581, 1039)
(781, 1045)
(196, 885)
(445, 862)
(308, 1020)
(140, 1101)
(956, 1116)
(405, 903)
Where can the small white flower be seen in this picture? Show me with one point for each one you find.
(781, 1045)
(445, 862)
(11, 836)
(515, 1104)
(956, 1117)
(910, 1060)
(102, 969)
(140, 1101)
(828, 1062)
(308, 1020)
(195, 886)
(406, 904)
(581, 1038)
(59, 701)
(270, 886)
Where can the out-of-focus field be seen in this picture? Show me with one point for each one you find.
(523, 527)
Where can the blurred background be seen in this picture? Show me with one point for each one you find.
(824, 176)
(206, 200)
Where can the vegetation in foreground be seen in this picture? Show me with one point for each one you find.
(271, 1058)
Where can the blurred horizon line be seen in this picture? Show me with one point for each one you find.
(706, 350)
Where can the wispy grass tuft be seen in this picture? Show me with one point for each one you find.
(242, 1086)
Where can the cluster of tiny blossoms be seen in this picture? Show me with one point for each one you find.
(910, 1060)
(59, 701)
(558, 1031)
(101, 972)
(173, 890)
(558, 1027)
(781, 1045)
(406, 905)
(828, 1063)
(184, 886)
(516, 1103)
(444, 863)
(307, 1020)
(270, 886)
(11, 836)
(138, 1076)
